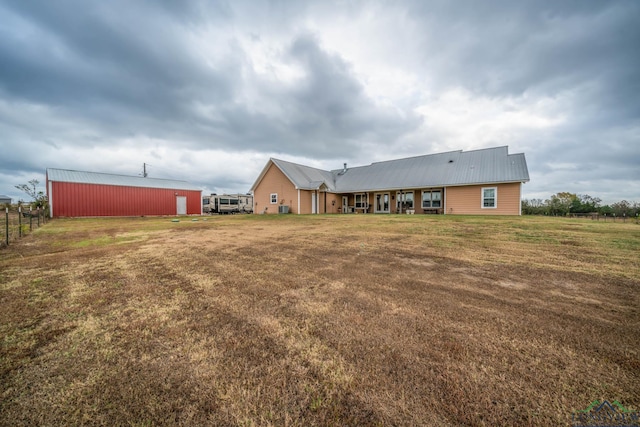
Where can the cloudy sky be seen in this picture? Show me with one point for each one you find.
(207, 91)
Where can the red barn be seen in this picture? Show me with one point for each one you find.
(77, 194)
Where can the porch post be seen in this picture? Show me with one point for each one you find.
(444, 197)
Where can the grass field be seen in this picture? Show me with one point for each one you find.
(318, 320)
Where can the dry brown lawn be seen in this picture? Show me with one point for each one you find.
(318, 320)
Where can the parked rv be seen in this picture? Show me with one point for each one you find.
(227, 203)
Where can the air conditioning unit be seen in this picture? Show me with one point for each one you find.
(283, 209)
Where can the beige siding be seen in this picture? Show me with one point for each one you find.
(467, 200)
(274, 181)
(305, 201)
(334, 201)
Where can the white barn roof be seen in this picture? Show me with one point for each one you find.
(63, 175)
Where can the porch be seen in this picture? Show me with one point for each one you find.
(421, 201)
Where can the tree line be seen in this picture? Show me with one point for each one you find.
(565, 203)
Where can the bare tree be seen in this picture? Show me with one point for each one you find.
(31, 188)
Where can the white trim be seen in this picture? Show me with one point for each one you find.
(375, 202)
(364, 200)
(432, 190)
(298, 201)
(520, 201)
(413, 198)
(314, 202)
(271, 198)
(50, 199)
(495, 198)
(444, 200)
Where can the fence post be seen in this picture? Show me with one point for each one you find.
(30, 220)
(19, 221)
(6, 210)
(38, 213)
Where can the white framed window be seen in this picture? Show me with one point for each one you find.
(489, 198)
(406, 199)
(274, 198)
(360, 201)
(431, 199)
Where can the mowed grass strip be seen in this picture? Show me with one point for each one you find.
(318, 320)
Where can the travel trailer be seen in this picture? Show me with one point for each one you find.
(227, 203)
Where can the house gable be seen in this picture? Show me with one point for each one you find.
(273, 183)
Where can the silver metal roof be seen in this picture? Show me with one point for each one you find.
(485, 166)
(63, 175)
(305, 177)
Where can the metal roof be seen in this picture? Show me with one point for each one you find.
(455, 168)
(305, 177)
(63, 175)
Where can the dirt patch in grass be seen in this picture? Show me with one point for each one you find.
(318, 320)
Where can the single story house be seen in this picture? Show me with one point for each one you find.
(5, 200)
(80, 194)
(479, 182)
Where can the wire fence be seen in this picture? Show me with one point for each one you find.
(17, 222)
(607, 217)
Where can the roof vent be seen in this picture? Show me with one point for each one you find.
(450, 161)
(344, 169)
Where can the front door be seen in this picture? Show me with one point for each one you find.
(345, 203)
(382, 203)
(181, 205)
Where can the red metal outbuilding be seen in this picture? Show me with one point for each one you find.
(78, 194)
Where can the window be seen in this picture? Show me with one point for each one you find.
(406, 199)
(489, 197)
(274, 198)
(360, 201)
(205, 201)
(431, 199)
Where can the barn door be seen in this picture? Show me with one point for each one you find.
(181, 205)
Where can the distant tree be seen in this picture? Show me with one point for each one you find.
(39, 198)
(533, 207)
(560, 203)
(565, 203)
(605, 210)
(621, 208)
(588, 204)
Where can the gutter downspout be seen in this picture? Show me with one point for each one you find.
(298, 201)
